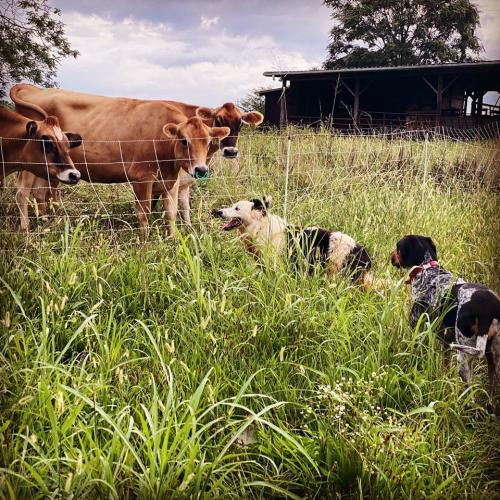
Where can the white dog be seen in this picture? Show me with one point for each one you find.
(263, 232)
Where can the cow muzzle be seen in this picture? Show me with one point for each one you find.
(200, 172)
(230, 152)
(70, 176)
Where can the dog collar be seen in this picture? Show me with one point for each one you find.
(418, 269)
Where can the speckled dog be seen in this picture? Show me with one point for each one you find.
(470, 312)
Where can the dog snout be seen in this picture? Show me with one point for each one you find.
(230, 152)
(217, 212)
(395, 259)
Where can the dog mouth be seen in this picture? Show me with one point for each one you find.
(232, 224)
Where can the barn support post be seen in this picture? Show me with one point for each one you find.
(439, 99)
(356, 93)
(355, 117)
(282, 99)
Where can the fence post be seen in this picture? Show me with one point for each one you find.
(426, 160)
(287, 172)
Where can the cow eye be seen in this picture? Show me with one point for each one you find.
(237, 209)
(184, 142)
(47, 144)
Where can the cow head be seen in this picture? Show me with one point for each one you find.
(228, 115)
(192, 139)
(48, 150)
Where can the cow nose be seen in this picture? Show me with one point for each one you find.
(200, 172)
(230, 152)
(74, 176)
(217, 213)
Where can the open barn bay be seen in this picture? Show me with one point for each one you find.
(179, 369)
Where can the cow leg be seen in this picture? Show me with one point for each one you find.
(170, 202)
(43, 192)
(22, 200)
(154, 202)
(143, 192)
(24, 181)
(184, 205)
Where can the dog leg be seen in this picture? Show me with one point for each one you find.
(478, 351)
(493, 358)
(464, 367)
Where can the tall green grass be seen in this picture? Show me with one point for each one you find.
(179, 369)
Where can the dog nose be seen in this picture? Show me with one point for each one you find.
(217, 213)
(230, 152)
(394, 259)
(200, 172)
(74, 176)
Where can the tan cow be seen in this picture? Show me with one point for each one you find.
(40, 147)
(227, 115)
(128, 140)
(30, 99)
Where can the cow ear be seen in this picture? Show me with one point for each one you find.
(219, 132)
(267, 200)
(252, 118)
(170, 130)
(205, 113)
(31, 128)
(75, 140)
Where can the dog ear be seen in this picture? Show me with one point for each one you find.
(432, 247)
(259, 205)
(267, 200)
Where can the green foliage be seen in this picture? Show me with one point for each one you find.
(32, 42)
(401, 32)
(253, 101)
(178, 369)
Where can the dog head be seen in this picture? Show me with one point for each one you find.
(413, 250)
(243, 212)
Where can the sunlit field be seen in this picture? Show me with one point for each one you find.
(178, 368)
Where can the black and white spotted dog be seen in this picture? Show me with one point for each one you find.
(470, 312)
(262, 231)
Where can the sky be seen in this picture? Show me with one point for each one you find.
(203, 52)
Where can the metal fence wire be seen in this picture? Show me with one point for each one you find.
(290, 164)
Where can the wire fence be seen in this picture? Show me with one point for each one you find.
(292, 165)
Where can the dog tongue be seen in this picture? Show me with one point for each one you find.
(232, 223)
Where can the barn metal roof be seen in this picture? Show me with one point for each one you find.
(422, 68)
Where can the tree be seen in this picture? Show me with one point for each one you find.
(32, 42)
(253, 101)
(402, 32)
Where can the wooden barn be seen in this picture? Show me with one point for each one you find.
(450, 95)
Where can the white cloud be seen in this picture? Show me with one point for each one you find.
(207, 22)
(153, 60)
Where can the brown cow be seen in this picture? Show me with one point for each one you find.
(125, 141)
(228, 115)
(30, 99)
(40, 147)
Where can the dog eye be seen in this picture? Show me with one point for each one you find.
(237, 209)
